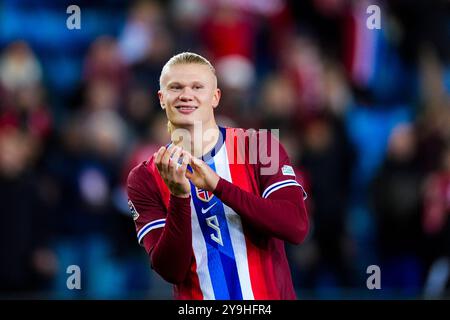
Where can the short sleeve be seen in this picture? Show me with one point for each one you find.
(274, 168)
(145, 201)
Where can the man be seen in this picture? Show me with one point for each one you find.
(213, 223)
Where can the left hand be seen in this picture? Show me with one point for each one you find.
(203, 176)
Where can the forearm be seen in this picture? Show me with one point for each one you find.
(283, 215)
(172, 254)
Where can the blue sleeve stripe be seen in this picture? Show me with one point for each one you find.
(278, 185)
(155, 224)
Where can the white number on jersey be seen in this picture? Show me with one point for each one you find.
(214, 223)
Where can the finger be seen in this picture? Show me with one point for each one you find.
(185, 152)
(196, 163)
(184, 163)
(176, 155)
(173, 161)
(158, 157)
(166, 157)
(196, 169)
(159, 154)
(184, 166)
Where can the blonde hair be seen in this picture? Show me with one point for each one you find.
(184, 58)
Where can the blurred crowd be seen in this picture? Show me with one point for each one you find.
(363, 113)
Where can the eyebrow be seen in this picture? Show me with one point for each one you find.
(195, 82)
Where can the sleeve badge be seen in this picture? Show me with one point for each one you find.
(133, 210)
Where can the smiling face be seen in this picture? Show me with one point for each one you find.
(189, 94)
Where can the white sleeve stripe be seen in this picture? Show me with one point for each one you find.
(148, 230)
(305, 195)
(150, 226)
(279, 186)
(276, 184)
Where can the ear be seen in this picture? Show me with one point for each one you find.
(216, 98)
(161, 99)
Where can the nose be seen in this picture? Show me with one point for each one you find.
(186, 94)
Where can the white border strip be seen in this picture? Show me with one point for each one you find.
(281, 184)
(155, 224)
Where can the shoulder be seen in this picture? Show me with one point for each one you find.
(142, 176)
(138, 173)
(263, 136)
(260, 143)
(240, 131)
(268, 144)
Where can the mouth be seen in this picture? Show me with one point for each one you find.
(186, 109)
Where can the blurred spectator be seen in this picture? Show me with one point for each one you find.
(19, 67)
(397, 201)
(189, 16)
(27, 265)
(436, 222)
(303, 64)
(23, 104)
(145, 74)
(327, 159)
(101, 95)
(432, 30)
(137, 37)
(437, 202)
(433, 134)
(278, 98)
(105, 63)
(338, 96)
(325, 22)
(230, 39)
(140, 109)
(156, 136)
(27, 110)
(434, 115)
(105, 135)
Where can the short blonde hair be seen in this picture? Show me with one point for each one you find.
(186, 58)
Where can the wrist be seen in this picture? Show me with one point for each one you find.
(218, 187)
(214, 182)
(180, 195)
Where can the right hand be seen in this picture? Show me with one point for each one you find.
(173, 174)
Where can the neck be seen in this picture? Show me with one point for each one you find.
(197, 139)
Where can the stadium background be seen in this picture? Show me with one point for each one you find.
(364, 115)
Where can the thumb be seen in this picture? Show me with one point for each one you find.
(196, 162)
